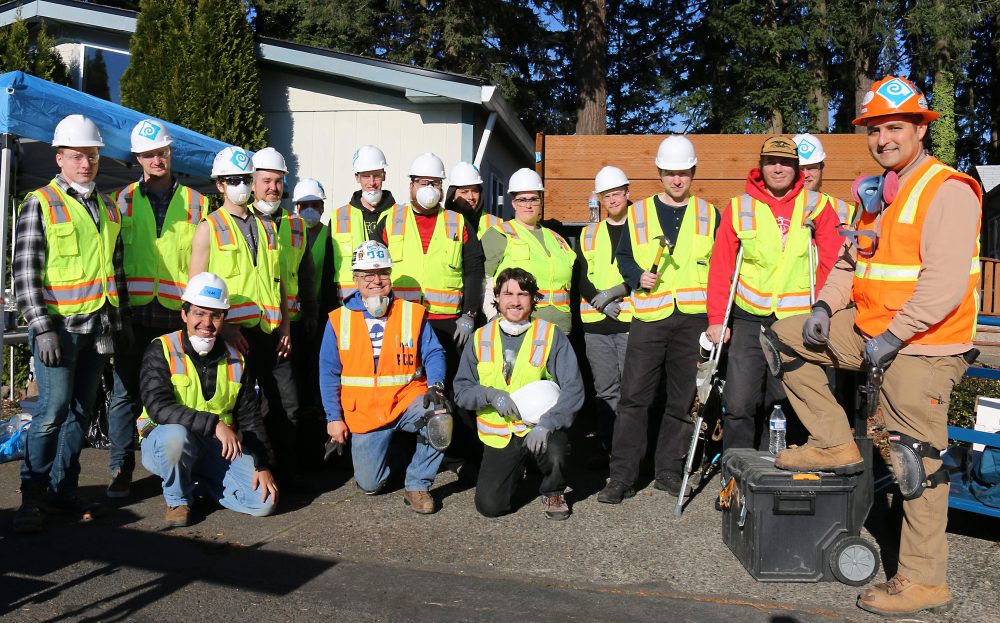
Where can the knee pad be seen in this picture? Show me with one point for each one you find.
(773, 349)
(906, 455)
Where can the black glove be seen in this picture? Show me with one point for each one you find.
(435, 396)
(882, 349)
(332, 447)
(49, 350)
(816, 330)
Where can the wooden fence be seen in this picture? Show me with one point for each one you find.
(989, 287)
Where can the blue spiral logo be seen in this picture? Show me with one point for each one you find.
(895, 92)
(241, 159)
(806, 148)
(149, 130)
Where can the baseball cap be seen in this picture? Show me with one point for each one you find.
(781, 147)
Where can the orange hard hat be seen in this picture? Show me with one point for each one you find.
(894, 95)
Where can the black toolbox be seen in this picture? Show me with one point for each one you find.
(797, 527)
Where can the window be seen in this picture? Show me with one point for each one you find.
(993, 238)
(102, 71)
(496, 202)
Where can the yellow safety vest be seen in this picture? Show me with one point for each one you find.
(551, 264)
(434, 278)
(845, 210)
(79, 272)
(157, 266)
(254, 291)
(775, 280)
(529, 366)
(292, 245)
(187, 384)
(683, 278)
(602, 270)
(348, 230)
(318, 250)
(487, 220)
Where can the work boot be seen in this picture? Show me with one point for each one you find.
(419, 501)
(177, 516)
(28, 518)
(670, 482)
(555, 507)
(614, 492)
(72, 505)
(121, 484)
(844, 459)
(903, 597)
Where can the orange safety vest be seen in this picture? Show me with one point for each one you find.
(886, 279)
(370, 399)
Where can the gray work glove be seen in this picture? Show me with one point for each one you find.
(503, 403)
(537, 440)
(816, 330)
(612, 309)
(882, 349)
(601, 300)
(49, 350)
(463, 330)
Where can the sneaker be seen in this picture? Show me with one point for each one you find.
(669, 482)
(28, 518)
(121, 484)
(614, 492)
(419, 501)
(177, 516)
(555, 507)
(72, 505)
(902, 597)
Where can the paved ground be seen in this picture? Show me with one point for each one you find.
(344, 556)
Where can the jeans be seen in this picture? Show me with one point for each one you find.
(371, 453)
(191, 464)
(66, 396)
(503, 468)
(126, 404)
(606, 354)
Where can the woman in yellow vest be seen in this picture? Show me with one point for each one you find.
(523, 243)
(509, 353)
(465, 196)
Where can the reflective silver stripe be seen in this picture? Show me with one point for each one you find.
(140, 286)
(395, 379)
(381, 381)
(344, 333)
(451, 224)
(398, 220)
(407, 294)
(538, 343)
(589, 235)
(235, 363)
(270, 232)
(508, 229)
(887, 272)
(786, 301)
(644, 303)
(57, 209)
(345, 291)
(442, 298)
(243, 311)
(407, 321)
(76, 294)
(555, 298)
(692, 296)
(272, 315)
(746, 213)
(751, 296)
(812, 202)
(843, 213)
(124, 199)
(641, 226)
(293, 304)
(704, 219)
(195, 206)
(492, 429)
(168, 289)
(909, 211)
(357, 381)
(486, 344)
(344, 220)
(176, 350)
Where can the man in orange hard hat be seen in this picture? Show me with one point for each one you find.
(912, 275)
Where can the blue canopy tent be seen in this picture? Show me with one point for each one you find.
(31, 107)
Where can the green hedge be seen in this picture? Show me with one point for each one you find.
(962, 411)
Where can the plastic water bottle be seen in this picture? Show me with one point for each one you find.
(777, 426)
(595, 208)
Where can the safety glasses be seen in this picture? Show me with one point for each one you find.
(236, 180)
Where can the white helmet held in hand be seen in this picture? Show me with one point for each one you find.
(676, 153)
(207, 290)
(150, 134)
(269, 159)
(77, 131)
(232, 161)
(809, 148)
(371, 255)
(608, 178)
(465, 174)
(525, 180)
(308, 190)
(427, 165)
(535, 399)
(369, 158)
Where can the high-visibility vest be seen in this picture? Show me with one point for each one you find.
(775, 280)
(845, 210)
(254, 291)
(683, 280)
(79, 272)
(886, 279)
(347, 226)
(318, 250)
(372, 399)
(187, 384)
(602, 270)
(292, 248)
(157, 265)
(529, 366)
(434, 278)
(487, 220)
(551, 264)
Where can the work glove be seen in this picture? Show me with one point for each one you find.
(816, 329)
(601, 300)
(463, 330)
(435, 396)
(882, 349)
(503, 403)
(48, 347)
(612, 309)
(537, 440)
(126, 338)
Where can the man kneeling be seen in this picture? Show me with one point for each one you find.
(202, 430)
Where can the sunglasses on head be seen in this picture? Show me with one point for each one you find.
(236, 180)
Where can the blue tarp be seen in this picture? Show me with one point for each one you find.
(31, 107)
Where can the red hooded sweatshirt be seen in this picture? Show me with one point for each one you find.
(828, 242)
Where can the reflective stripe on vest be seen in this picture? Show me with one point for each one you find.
(602, 270)
(551, 262)
(347, 231)
(433, 277)
(292, 250)
(486, 221)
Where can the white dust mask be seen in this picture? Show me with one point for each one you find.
(202, 345)
(238, 194)
(428, 197)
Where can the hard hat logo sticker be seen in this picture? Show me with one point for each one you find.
(148, 130)
(210, 292)
(241, 160)
(895, 92)
(806, 149)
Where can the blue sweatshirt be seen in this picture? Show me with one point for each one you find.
(429, 353)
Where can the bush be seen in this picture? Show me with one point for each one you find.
(962, 411)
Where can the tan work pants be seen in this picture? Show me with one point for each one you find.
(914, 400)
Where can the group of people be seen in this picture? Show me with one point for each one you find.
(435, 318)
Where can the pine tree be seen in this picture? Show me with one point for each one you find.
(34, 55)
(155, 78)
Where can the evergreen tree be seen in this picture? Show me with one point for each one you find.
(155, 79)
(95, 78)
(36, 55)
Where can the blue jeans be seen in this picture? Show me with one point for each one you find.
(125, 404)
(66, 396)
(371, 453)
(191, 464)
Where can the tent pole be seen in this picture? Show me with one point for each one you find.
(5, 166)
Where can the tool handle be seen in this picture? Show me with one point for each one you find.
(656, 262)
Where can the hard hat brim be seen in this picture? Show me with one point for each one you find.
(926, 116)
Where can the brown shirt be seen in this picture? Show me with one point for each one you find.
(948, 240)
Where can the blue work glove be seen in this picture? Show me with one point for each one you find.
(49, 350)
(604, 297)
(503, 403)
(816, 330)
(463, 330)
(537, 440)
(882, 349)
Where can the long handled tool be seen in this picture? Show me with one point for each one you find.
(706, 381)
(812, 262)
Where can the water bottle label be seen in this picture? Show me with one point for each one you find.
(777, 424)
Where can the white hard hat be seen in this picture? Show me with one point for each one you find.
(809, 148)
(150, 134)
(369, 158)
(676, 153)
(308, 190)
(77, 131)
(207, 290)
(371, 255)
(608, 178)
(232, 161)
(525, 180)
(427, 165)
(269, 159)
(465, 174)
(535, 399)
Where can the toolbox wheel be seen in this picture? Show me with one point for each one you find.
(854, 561)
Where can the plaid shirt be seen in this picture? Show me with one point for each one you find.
(153, 314)
(29, 265)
